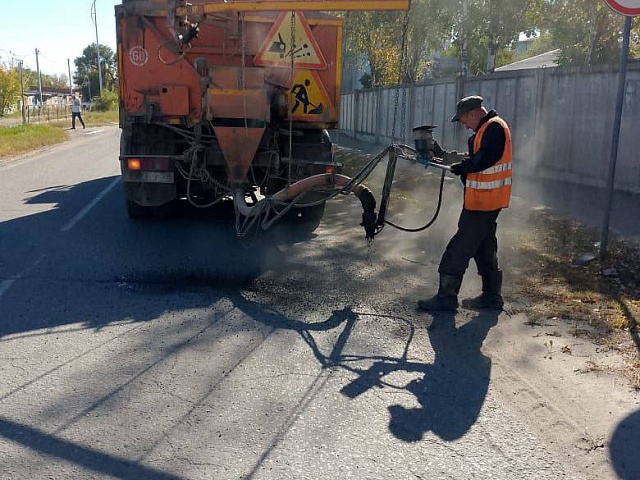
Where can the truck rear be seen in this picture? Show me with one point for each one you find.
(227, 100)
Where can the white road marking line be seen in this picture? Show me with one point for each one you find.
(70, 224)
(5, 285)
(92, 132)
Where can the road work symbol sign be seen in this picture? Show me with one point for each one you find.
(277, 49)
(308, 99)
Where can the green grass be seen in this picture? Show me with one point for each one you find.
(94, 119)
(25, 138)
(20, 139)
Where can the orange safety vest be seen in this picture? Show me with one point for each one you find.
(490, 189)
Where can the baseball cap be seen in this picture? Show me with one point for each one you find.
(466, 105)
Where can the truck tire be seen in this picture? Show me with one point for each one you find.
(307, 219)
(136, 211)
(308, 144)
(146, 200)
(166, 210)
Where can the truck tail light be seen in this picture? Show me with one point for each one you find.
(134, 164)
(154, 164)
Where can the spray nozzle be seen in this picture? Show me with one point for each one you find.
(425, 143)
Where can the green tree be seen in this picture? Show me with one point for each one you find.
(379, 36)
(474, 31)
(55, 81)
(9, 88)
(480, 35)
(587, 32)
(107, 101)
(87, 76)
(376, 35)
(429, 30)
(483, 29)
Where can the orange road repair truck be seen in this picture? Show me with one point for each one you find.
(223, 99)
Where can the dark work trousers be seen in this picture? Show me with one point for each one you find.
(475, 238)
(73, 119)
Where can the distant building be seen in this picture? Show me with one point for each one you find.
(523, 45)
(52, 98)
(544, 60)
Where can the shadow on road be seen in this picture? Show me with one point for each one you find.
(199, 252)
(196, 251)
(94, 460)
(624, 447)
(452, 390)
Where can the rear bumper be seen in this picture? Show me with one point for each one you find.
(154, 184)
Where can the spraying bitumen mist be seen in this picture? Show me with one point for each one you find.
(412, 202)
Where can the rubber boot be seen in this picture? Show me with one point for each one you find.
(491, 298)
(447, 297)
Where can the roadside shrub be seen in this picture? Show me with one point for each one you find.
(107, 101)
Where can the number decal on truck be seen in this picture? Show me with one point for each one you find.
(138, 56)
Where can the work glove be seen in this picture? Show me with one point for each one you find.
(457, 169)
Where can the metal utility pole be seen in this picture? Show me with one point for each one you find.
(88, 83)
(94, 18)
(491, 54)
(70, 84)
(39, 79)
(24, 120)
(622, 77)
(465, 53)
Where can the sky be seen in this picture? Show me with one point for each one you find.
(59, 29)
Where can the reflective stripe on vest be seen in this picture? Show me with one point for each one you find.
(488, 185)
(497, 168)
(490, 189)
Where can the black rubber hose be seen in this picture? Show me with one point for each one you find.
(369, 217)
(435, 216)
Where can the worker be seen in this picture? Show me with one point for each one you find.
(486, 175)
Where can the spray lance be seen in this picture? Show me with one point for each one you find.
(425, 152)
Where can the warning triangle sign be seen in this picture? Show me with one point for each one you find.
(277, 49)
(309, 100)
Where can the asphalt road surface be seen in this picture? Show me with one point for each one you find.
(169, 349)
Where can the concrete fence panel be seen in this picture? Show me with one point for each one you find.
(561, 118)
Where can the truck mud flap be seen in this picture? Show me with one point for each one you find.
(150, 194)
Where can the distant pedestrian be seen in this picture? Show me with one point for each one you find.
(76, 111)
